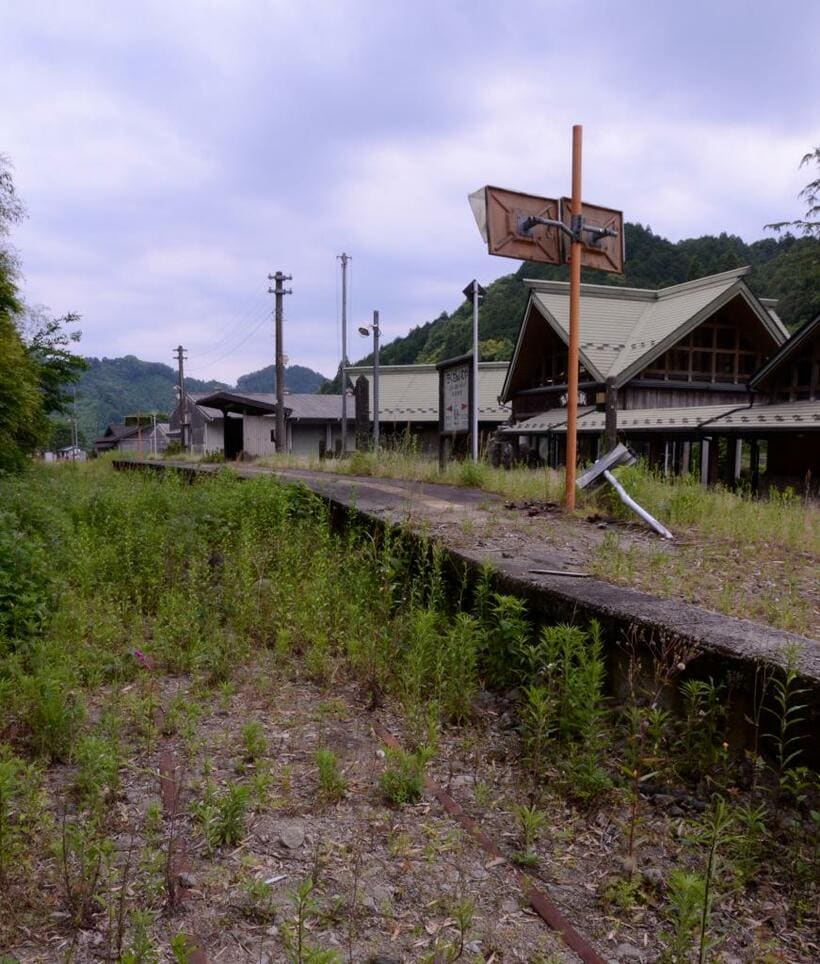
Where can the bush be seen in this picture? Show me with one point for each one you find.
(403, 780)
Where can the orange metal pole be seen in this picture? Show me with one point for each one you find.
(574, 321)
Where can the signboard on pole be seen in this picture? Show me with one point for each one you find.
(534, 229)
(455, 414)
(456, 397)
(605, 253)
(503, 212)
(512, 224)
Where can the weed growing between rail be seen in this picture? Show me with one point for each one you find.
(136, 613)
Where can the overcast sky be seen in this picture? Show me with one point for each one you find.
(171, 154)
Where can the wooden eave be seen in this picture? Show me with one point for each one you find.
(786, 351)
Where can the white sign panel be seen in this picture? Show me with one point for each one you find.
(457, 399)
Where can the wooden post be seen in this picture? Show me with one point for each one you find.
(361, 392)
(705, 460)
(713, 468)
(611, 415)
(754, 464)
(574, 319)
(684, 459)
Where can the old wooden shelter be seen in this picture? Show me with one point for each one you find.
(698, 376)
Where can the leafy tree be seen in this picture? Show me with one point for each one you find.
(33, 368)
(23, 424)
(21, 414)
(47, 343)
(695, 269)
(810, 224)
(495, 349)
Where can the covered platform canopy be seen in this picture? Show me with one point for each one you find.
(240, 404)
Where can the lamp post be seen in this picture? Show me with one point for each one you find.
(364, 331)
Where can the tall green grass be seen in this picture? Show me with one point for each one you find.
(782, 519)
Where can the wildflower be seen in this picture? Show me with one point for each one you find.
(145, 661)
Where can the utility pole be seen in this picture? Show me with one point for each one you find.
(474, 293)
(376, 337)
(74, 434)
(576, 254)
(280, 292)
(181, 355)
(344, 258)
(364, 331)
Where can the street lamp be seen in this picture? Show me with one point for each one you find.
(365, 331)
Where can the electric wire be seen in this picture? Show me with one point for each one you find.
(207, 365)
(251, 311)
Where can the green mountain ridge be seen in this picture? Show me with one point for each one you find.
(786, 268)
(112, 388)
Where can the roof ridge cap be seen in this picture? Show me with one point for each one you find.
(734, 274)
(537, 286)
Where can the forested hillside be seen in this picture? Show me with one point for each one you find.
(298, 380)
(787, 268)
(114, 387)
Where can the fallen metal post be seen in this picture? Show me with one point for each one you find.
(627, 499)
(620, 455)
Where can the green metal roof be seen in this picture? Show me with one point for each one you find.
(784, 415)
(409, 393)
(548, 421)
(685, 419)
(722, 419)
(623, 329)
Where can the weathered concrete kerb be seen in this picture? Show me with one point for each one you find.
(734, 651)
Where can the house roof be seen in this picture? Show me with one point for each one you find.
(685, 419)
(119, 431)
(244, 403)
(209, 413)
(784, 415)
(297, 407)
(409, 393)
(315, 407)
(547, 421)
(730, 418)
(801, 337)
(623, 329)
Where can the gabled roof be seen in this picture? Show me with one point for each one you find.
(409, 393)
(245, 403)
(298, 407)
(118, 431)
(801, 337)
(209, 413)
(623, 329)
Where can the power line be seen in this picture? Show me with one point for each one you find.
(236, 347)
(258, 302)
